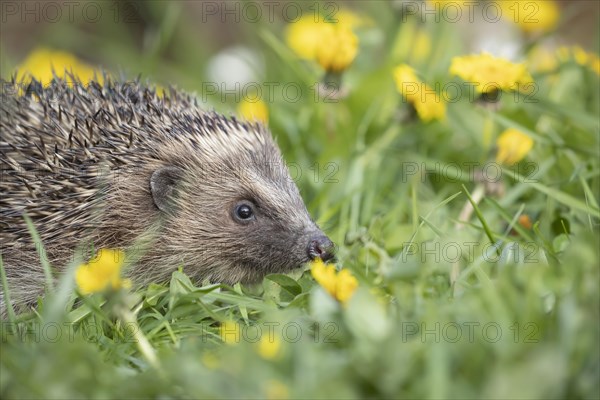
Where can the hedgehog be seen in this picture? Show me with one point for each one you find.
(106, 163)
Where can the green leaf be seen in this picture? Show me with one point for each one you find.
(180, 284)
(286, 283)
(153, 293)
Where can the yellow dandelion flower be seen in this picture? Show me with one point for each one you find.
(41, 63)
(332, 44)
(304, 35)
(530, 15)
(346, 286)
(253, 110)
(325, 275)
(407, 82)
(269, 347)
(431, 109)
(428, 104)
(231, 332)
(337, 48)
(513, 146)
(489, 73)
(102, 272)
(586, 59)
(340, 285)
(580, 56)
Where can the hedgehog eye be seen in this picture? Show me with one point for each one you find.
(244, 212)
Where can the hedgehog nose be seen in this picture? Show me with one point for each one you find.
(321, 247)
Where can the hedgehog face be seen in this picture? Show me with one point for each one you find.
(237, 221)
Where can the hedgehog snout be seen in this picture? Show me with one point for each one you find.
(320, 246)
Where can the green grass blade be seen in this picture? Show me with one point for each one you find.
(557, 195)
(39, 246)
(7, 302)
(484, 223)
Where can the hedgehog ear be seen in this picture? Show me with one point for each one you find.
(162, 186)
